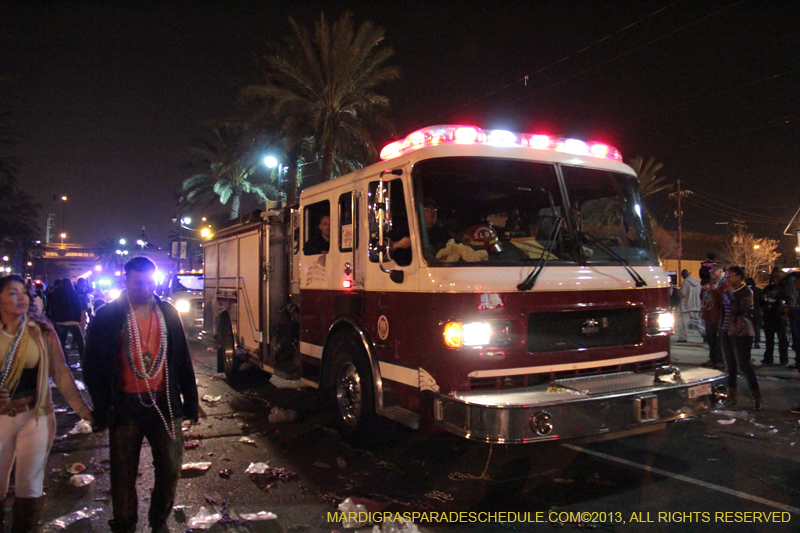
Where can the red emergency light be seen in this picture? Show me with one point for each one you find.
(455, 134)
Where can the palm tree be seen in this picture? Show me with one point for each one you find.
(319, 94)
(19, 214)
(107, 256)
(647, 173)
(228, 166)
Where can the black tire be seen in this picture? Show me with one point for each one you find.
(351, 395)
(226, 356)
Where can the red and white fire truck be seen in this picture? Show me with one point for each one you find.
(503, 287)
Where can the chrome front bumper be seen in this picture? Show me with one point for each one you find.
(579, 407)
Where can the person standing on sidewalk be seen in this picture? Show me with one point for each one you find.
(775, 306)
(712, 296)
(736, 335)
(689, 307)
(793, 282)
(794, 315)
(64, 310)
(758, 317)
(139, 373)
(30, 355)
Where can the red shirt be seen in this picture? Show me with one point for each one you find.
(149, 331)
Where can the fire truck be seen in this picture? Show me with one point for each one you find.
(503, 287)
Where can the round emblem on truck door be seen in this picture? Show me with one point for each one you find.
(383, 327)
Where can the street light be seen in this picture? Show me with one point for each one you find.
(63, 236)
(63, 210)
(270, 161)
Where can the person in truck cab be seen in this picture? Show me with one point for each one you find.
(319, 243)
(437, 235)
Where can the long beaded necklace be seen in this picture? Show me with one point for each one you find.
(12, 369)
(142, 363)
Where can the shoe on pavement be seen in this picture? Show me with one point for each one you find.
(795, 410)
(767, 363)
(708, 364)
(681, 340)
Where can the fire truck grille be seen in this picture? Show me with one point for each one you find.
(575, 330)
(528, 380)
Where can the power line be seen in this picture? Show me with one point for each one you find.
(526, 78)
(719, 93)
(726, 202)
(657, 39)
(776, 122)
(726, 205)
(734, 213)
(722, 204)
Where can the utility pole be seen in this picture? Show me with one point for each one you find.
(679, 217)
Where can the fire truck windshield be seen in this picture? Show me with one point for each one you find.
(477, 210)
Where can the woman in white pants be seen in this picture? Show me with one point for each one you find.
(30, 354)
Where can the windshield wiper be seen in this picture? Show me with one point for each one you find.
(640, 282)
(530, 281)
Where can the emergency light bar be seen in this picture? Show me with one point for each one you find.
(452, 134)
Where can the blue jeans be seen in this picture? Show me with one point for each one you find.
(736, 352)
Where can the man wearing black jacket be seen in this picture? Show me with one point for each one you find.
(139, 373)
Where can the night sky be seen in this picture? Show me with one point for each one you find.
(107, 95)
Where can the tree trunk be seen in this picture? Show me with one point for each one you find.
(328, 148)
(235, 200)
(290, 180)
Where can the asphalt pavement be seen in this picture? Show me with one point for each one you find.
(310, 469)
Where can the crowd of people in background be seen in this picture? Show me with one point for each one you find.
(69, 307)
(730, 311)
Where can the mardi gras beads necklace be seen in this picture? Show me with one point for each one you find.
(12, 369)
(144, 365)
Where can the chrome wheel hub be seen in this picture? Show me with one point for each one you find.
(348, 394)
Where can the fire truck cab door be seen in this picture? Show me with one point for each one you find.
(345, 272)
(393, 266)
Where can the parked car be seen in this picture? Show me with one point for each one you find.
(184, 290)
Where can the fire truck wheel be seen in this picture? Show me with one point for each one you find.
(227, 351)
(352, 397)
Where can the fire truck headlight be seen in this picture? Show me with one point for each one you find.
(453, 335)
(660, 322)
(476, 334)
(182, 306)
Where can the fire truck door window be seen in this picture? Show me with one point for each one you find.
(398, 228)
(317, 224)
(348, 234)
(607, 208)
